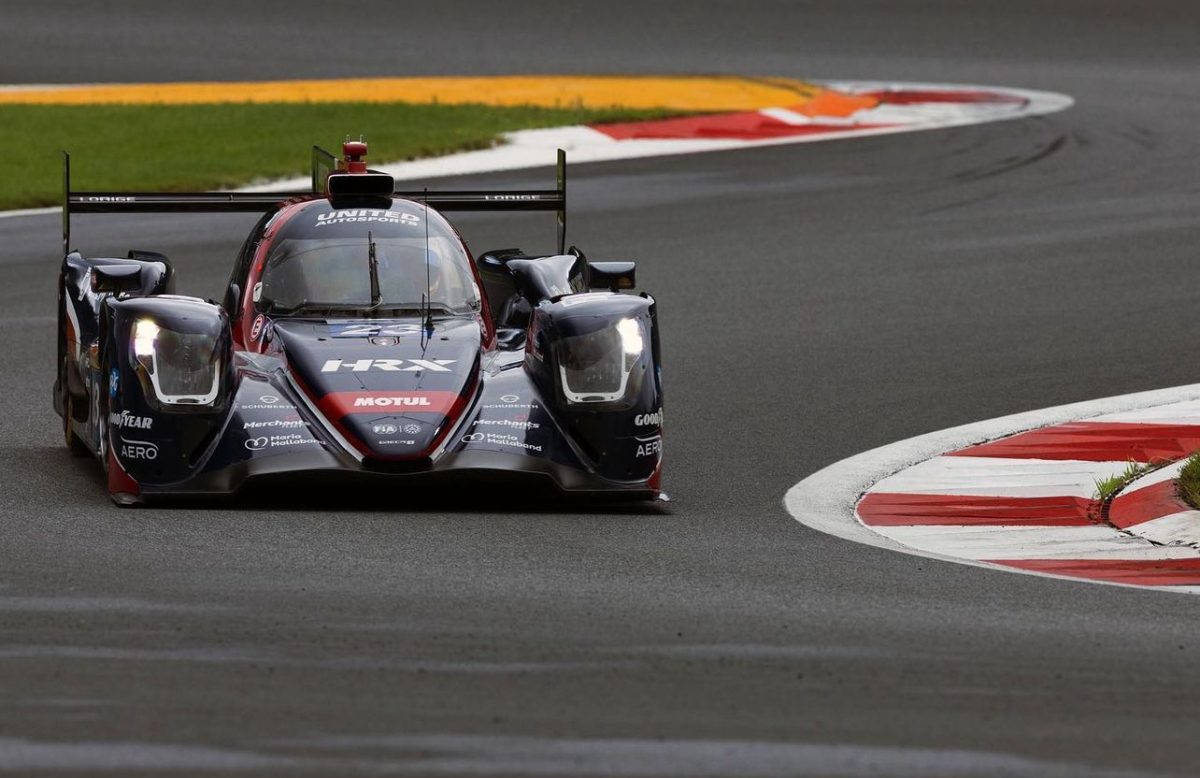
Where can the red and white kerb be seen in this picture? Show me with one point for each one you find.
(1029, 501)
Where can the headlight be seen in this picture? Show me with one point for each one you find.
(144, 334)
(631, 337)
(181, 368)
(597, 367)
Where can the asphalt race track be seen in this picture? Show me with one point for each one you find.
(817, 299)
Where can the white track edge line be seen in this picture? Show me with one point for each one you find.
(825, 500)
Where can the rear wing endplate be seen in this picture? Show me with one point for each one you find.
(323, 164)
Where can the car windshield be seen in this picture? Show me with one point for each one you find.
(365, 260)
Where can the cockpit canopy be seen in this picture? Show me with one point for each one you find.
(333, 260)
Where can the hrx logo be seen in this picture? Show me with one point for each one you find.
(388, 365)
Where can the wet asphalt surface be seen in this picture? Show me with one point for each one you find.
(817, 300)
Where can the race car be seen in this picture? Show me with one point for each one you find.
(358, 339)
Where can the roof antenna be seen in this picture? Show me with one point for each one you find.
(427, 299)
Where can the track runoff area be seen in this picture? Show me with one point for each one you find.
(717, 113)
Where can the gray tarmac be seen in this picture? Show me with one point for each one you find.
(817, 300)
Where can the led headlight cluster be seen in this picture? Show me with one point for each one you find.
(181, 368)
(596, 367)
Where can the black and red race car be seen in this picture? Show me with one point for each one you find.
(358, 339)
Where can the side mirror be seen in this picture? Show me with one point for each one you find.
(116, 279)
(499, 286)
(613, 276)
(549, 278)
(149, 256)
(159, 280)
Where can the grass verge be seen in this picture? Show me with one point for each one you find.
(1107, 488)
(1189, 481)
(184, 147)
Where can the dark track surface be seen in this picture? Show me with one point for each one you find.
(817, 300)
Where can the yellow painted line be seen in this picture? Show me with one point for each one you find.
(684, 93)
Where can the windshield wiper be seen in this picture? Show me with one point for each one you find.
(373, 264)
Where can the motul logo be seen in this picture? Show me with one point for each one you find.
(388, 365)
(405, 401)
(335, 405)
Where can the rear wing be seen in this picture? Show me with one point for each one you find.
(324, 164)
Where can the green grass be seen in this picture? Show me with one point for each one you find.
(185, 147)
(1189, 481)
(1107, 488)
